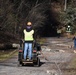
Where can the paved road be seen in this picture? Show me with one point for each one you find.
(56, 52)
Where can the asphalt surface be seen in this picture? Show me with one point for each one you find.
(56, 51)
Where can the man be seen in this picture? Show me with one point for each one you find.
(28, 38)
(59, 32)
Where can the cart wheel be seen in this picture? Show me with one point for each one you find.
(19, 63)
(22, 64)
(37, 63)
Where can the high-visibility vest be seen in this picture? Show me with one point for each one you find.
(28, 36)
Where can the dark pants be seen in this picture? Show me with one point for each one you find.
(75, 43)
(58, 35)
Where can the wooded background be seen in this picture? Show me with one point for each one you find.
(46, 15)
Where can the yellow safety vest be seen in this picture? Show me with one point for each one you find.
(28, 36)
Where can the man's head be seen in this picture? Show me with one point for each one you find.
(29, 23)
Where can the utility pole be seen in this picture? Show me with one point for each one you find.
(65, 5)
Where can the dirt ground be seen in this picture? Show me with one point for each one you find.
(65, 45)
(57, 58)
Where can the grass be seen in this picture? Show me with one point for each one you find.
(4, 55)
(41, 40)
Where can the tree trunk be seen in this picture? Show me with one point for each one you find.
(65, 5)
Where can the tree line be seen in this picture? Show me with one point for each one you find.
(15, 13)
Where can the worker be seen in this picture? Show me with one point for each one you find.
(28, 38)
